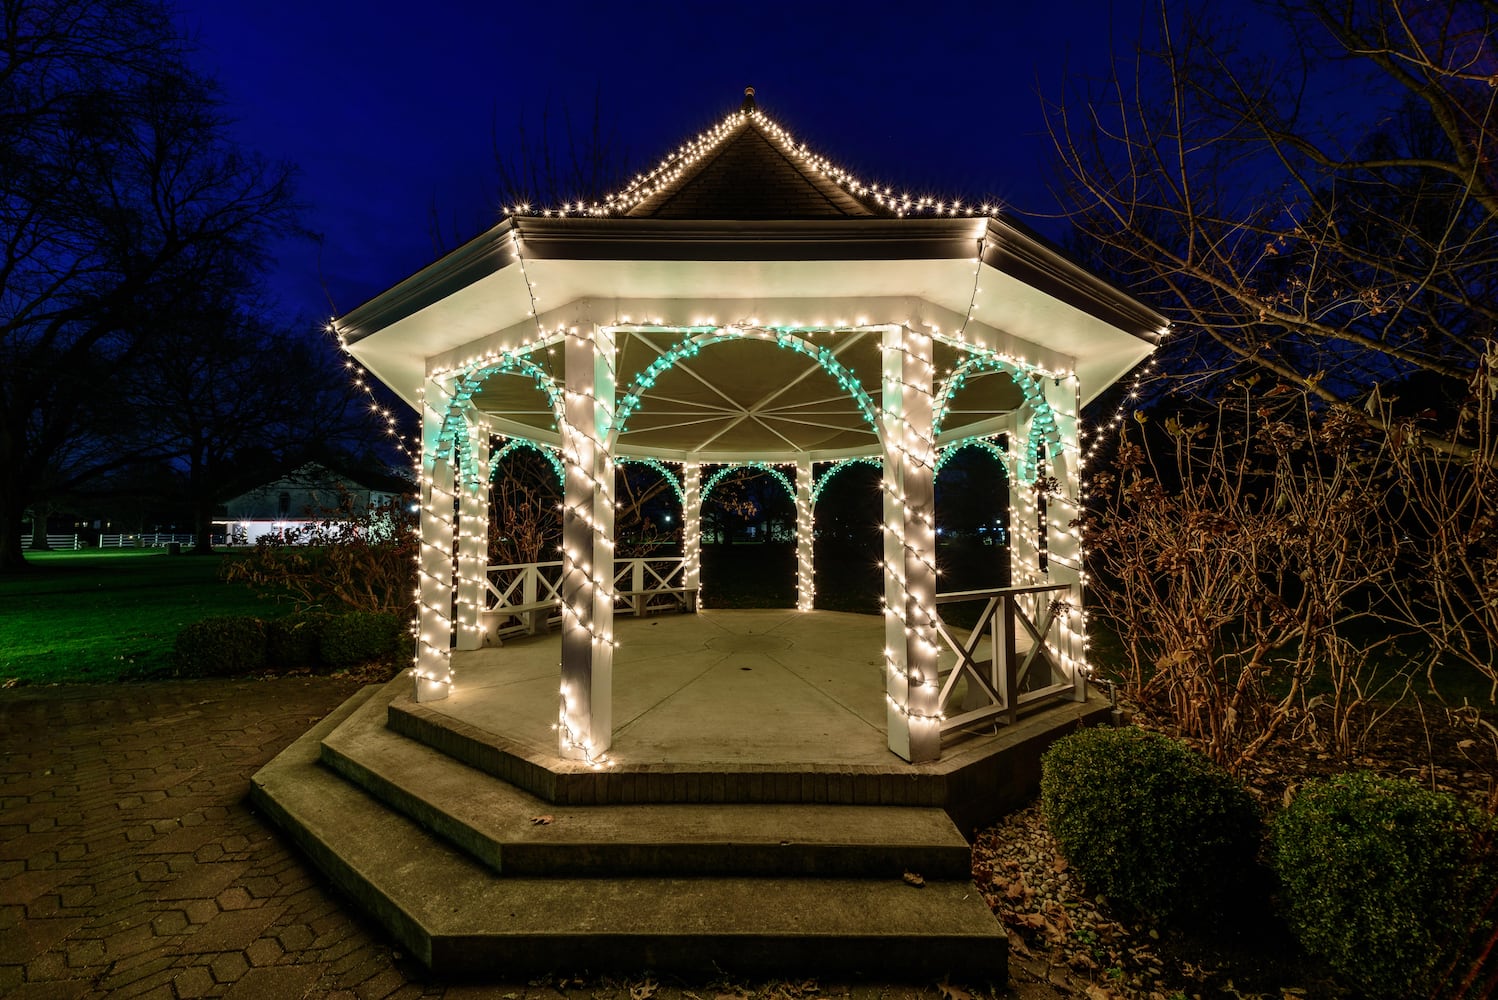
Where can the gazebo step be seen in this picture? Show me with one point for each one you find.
(516, 833)
(460, 918)
(572, 783)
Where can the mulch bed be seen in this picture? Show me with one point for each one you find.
(1066, 942)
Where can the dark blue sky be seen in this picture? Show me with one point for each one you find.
(389, 109)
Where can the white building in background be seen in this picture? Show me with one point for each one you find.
(298, 500)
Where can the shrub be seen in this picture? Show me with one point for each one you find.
(295, 640)
(220, 647)
(354, 557)
(1385, 880)
(359, 637)
(1149, 822)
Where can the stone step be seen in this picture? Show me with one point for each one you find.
(498, 823)
(544, 775)
(460, 918)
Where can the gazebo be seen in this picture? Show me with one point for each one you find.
(745, 302)
(748, 302)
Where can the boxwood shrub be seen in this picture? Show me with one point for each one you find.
(1386, 881)
(1149, 822)
(360, 636)
(220, 647)
(295, 640)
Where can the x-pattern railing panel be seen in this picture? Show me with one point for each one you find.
(523, 584)
(995, 687)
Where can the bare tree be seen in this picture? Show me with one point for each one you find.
(119, 193)
(1321, 214)
(1325, 213)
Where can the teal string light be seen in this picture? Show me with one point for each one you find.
(836, 467)
(728, 470)
(988, 444)
(699, 337)
(670, 477)
(467, 382)
(547, 452)
(1043, 426)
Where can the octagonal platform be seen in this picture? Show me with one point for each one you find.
(753, 819)
(732, 706)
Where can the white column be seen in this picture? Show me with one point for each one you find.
(806, 578)
(473, 533)
(691, 529)
(433, 668)
(913, 689)
(1045, 546)
(1064, 537)
(585, 722)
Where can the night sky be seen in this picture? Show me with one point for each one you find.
(390, 109)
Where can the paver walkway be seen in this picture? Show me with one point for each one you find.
(131, 865)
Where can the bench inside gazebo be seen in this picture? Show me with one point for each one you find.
(744, 303)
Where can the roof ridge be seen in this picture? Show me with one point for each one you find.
(688, 161)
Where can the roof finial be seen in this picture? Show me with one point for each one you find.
(748, 100)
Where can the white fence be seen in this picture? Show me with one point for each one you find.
(56, 542)
(526, 598)
(156, 540)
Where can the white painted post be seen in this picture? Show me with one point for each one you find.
(1065, 538)
(1061, 541)
(806, 578)
(473, 534)
(433, 667)
(585, 722)
(691, 532)
(914, 719)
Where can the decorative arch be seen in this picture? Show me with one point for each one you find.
(549, 453)
(945, 453)
(465, 383)
(692, 345)
(1043, 428)
(670, 477)
(836, 467)
(727, 470)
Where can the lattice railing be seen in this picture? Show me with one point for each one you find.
(525, 597)
(1022, 651)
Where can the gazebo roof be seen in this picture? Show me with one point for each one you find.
(746, 228)
(752, 174)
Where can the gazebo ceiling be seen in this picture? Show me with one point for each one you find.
(746, 229)
(744, 398)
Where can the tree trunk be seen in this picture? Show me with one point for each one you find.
(12, 505)
(39, 530)
(40, 514)
(202, 528)
(12, 556)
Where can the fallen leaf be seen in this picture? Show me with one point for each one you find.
(540, 820)
(643, 991)
(1017, 945)
(1059, 865)
(950, 992)
(915, 880)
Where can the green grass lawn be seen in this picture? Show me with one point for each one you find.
(104, 616)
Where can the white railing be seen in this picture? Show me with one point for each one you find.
(55, 542)
(525, 598)
(1000, 670)
(656, 583)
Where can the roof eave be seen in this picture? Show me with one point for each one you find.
(481, 256)
(1017, 251)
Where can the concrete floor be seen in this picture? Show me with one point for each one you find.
(718, 687)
